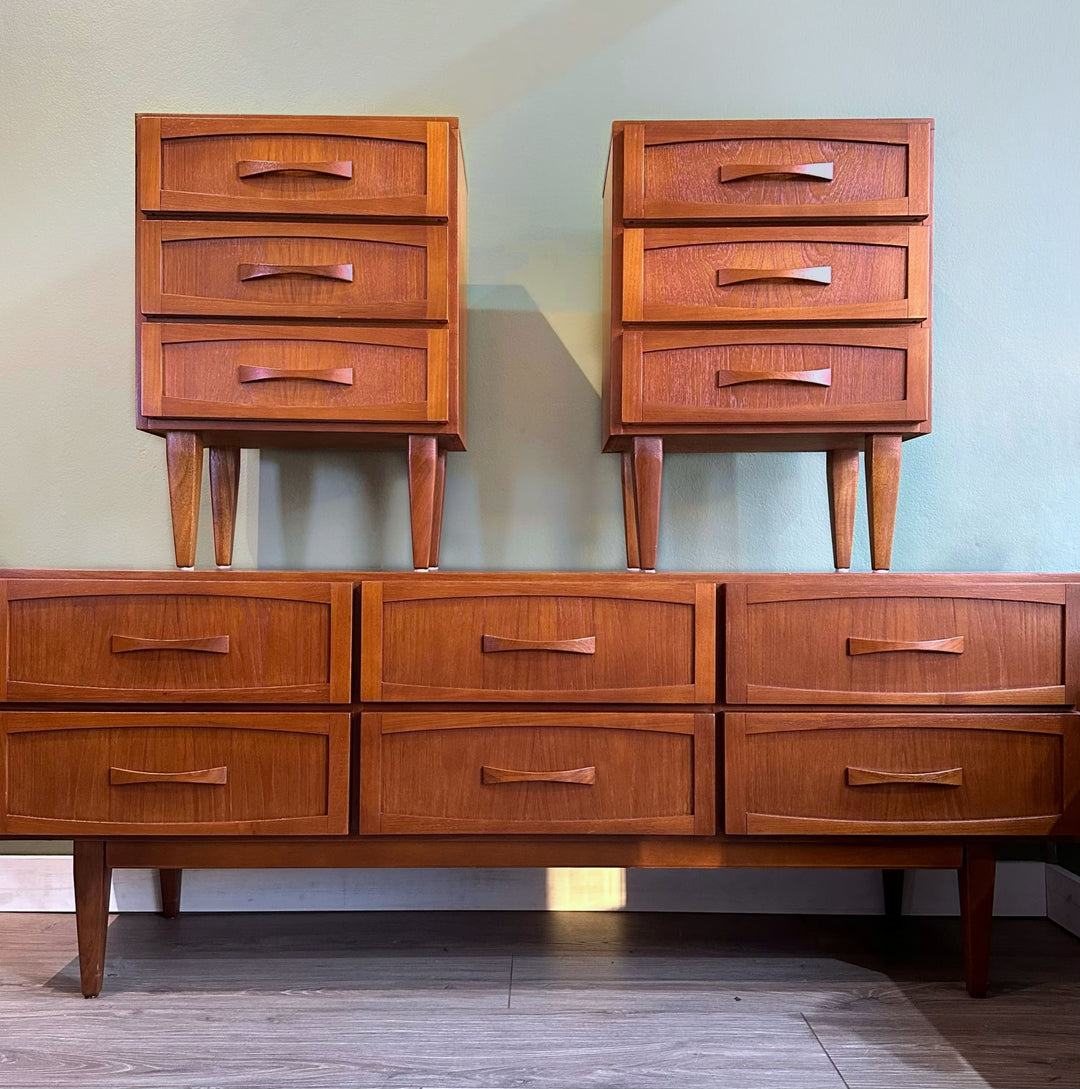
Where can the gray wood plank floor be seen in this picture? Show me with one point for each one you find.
(474, 1000)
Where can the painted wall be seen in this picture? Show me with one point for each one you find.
(536, 84)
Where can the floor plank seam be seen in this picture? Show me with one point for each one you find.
(825, 1049)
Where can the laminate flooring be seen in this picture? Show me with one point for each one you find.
(563, 1000)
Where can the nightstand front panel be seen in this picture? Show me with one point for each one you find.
(737, 376)
(280, 372)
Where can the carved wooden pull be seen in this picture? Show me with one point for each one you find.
(341, 376)
(953, 645)
(493, 644)
(819, 274)
(734, 171)
(208, 776)
(253, 168)
(809, 378)
(586, 776)
(344, 273)
(861, 777)
(210, 644)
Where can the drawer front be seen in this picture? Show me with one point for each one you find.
(684, 274)
(393, 272)
(776, 169)
(536, 641)
(293, 165)
(818, 641)
(875, 774)
(282, 372)
(776, 375)
(537, 773)
(126, 773)
(177, 641)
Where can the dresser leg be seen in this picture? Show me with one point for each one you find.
(93, 880)
(976, 914)
(224, 492)
(892, 888)
(633, 561)
(170, 882)
(437, 513)
(423, 464)
(648, 473)
(882, 488)
(842, 467)
(184, 457)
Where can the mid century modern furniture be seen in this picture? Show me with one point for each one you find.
(768, 288)
(299, 283)
(171, 720)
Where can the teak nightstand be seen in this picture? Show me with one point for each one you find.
(300, 282)
(768, 287)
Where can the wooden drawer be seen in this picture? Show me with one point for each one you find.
(288, 372)
(776, 375)
(685, 274)
(128, 773)
(907, 774)
(293, 165)
(776, 169)
(611, 640)
(176, 641)
(274, 270)
(875, 641)
(537, 773)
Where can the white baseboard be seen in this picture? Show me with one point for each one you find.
(43, 883)
(1063, 898)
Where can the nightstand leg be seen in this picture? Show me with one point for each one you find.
(882, 488)
(224, 491)
(633, 561)
(423, 463)
(93, 880)
(892, 890)
(170, 882)
(437, 514)
(648, 473)
(977, 914)
(184, 457)
(842, 467)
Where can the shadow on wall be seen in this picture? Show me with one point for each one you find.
(532, 492)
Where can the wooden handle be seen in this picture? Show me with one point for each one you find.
(344, 273)
(253, 168)
(734, 171)
(493, 644)
(819, 274)
(587, 776)
(809, 378)
(210, 644)
(340, 376)
(208, 776)
(861, 777)
(953, 645)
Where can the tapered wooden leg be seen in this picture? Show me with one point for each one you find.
(882, 488)
(976, 915)
(224, 491)
(648, 473)
(633, 561)
(842, 467)
(170, 882)
(436, 518)
(184, 456)
(892, 887)
(423, 464)
(93, 880)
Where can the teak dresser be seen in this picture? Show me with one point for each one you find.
(300, 282)
(767, 287)
(173, 720)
